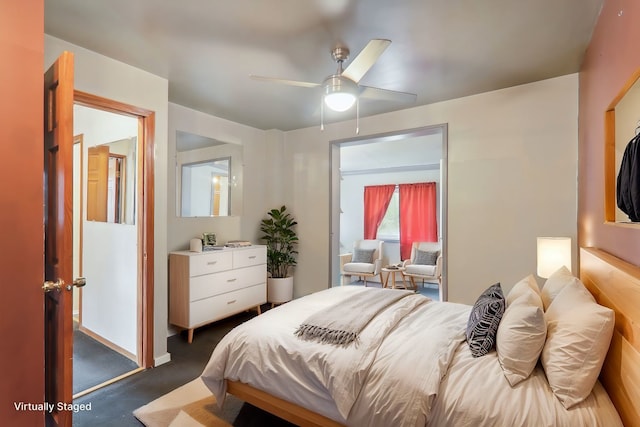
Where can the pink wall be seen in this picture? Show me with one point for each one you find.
(612, 57)
(22, 242)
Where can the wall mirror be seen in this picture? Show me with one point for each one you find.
(111, 182)
(622, 126)
(208, 176)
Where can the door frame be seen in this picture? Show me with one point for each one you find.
(335, 188)
(145, 215)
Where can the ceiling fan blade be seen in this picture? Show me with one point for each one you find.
(386, 94)
(365, 59)
(284, 81)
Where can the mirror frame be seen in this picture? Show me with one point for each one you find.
(610, 171)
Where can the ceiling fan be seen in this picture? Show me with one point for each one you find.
(342, 89)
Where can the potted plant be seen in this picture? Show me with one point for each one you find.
(281, 239)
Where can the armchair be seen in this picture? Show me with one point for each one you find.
(365, 261)
(427, 270)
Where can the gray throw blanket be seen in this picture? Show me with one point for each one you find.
(342, 322)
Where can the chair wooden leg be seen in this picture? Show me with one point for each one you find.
(413, 283)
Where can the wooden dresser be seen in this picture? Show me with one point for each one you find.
(209, 286)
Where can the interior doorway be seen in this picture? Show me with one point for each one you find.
(113, 241)
(408, 156)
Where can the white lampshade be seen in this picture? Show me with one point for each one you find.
(340, 101)
(553, 253)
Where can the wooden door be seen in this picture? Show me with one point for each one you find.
(58, 190)
(97, 182)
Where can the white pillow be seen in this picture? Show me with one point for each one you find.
(521, 287)
(555, 283)
(579, 332)
(521, 336)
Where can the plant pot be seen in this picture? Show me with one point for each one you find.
(279, 290)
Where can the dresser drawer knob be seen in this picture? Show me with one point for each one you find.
(231, 302)
(231, 280)
(212, 262)
(252, 257)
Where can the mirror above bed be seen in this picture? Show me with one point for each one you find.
(208, 177)
(622, 130)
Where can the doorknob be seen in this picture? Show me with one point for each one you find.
(79, 282)
(49, 285)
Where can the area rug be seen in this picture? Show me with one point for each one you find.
(191, 405)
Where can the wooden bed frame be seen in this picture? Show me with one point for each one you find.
(616, 284)
(613, 282)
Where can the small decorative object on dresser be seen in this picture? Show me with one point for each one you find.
(209, 286)
(238, 243)
(208, 240)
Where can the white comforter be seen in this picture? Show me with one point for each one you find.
(409, 355)
(389, 378)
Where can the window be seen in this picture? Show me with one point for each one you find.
(404, 213)
(389, 229)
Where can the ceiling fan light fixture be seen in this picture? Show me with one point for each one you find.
(340, 93)
(340, 101)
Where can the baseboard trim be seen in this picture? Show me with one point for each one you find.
(108, 343)
(106, 383)
(161, 360)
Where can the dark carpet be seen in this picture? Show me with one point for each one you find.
(112, 406)
(95, 363)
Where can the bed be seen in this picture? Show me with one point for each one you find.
(404, 374)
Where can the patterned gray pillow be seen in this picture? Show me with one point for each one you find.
(363, 255)
(484, 320)
(426, 257)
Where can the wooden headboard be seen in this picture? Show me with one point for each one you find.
(616, 284)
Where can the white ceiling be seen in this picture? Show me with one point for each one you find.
(441, 49)
(401, 153)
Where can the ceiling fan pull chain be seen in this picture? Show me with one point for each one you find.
(321, 113)
(358, 116)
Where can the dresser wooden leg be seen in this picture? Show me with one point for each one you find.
(190, 336)
(259, 310)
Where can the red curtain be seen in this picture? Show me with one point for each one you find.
(376, 202)
(418, 216)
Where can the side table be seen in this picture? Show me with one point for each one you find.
(391, 272)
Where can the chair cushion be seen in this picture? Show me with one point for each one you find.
(484, 320)
(421, 270)
(363, 255)
(426, 257)
(358, 267)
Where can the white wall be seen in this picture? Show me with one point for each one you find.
(108, 78)
(512, 177)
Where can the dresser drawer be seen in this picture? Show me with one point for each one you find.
(210, 263)
(221, 306)
(226, 281)
(250, 256)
